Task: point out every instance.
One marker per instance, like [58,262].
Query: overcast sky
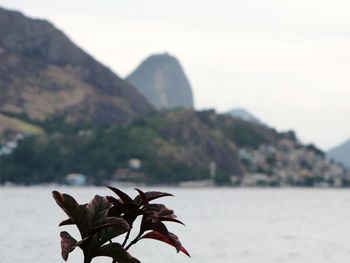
[286,61]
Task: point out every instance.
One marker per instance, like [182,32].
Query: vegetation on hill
[172,146]
[15,124]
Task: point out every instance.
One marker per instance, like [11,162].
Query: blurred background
[231,102]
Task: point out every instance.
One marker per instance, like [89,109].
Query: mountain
[162,81]
[243,115]
[341,153]
[43,74]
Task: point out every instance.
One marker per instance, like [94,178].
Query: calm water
[223,225]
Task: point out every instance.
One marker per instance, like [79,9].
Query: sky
[285,61]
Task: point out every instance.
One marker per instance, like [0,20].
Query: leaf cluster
[106,218]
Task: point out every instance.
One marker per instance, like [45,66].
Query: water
[223,225]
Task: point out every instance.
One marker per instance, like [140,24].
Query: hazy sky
[286,61]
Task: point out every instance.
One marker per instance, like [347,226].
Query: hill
[43,74]
[162,81]
[172,147]
[341,153]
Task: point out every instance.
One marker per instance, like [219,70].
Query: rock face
[44,74]
[341,154]
[162,81]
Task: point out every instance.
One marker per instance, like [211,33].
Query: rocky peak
[162,81]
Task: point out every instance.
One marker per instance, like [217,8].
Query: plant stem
[87,259]
[134,241]
[126,238]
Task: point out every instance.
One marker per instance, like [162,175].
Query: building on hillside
[75,179]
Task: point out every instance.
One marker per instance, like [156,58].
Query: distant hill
[341,153]
[173,146]
[244,115]
[44,74]
[161,79]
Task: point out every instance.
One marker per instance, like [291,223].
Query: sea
[224,225]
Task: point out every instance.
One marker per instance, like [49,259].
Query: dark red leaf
[108,234]
[143,196]
[158,210]
[75,212]
[150,196]
[112,221]
[96,210]
[170,239]
[170,219]
[129,211]
[114,201]
[123,196]
[175,240]
[107,229]
[68,244]
[148,224]
[67,222]
[117,210]
[132,211]
[117,253]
